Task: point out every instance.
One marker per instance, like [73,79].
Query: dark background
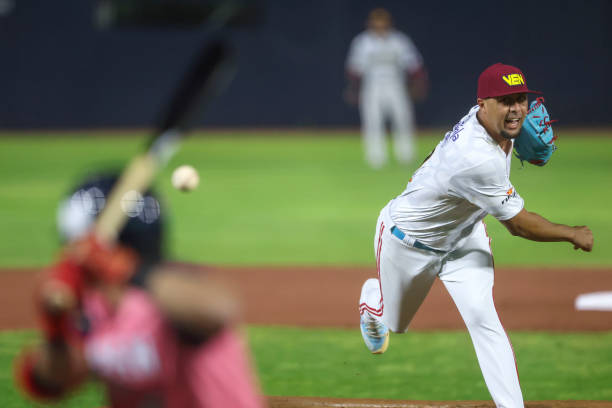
[58,70]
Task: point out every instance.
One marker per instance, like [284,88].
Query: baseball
[185,178]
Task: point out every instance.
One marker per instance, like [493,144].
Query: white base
[600,301]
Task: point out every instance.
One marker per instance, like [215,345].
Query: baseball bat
[207,77]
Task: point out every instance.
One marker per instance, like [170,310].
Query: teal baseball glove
[536,142]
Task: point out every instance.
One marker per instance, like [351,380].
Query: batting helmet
[143,230]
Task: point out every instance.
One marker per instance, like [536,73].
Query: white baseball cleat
[374,332]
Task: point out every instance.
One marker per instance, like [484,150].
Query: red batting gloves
[103,263]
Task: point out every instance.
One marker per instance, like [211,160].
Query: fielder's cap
[500,80]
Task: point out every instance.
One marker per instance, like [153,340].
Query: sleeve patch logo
[509,194]
[514,79]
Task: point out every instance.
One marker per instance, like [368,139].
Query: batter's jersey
[466,178]
[383,58]
[143,364]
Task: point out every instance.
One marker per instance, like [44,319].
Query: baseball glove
[535,143]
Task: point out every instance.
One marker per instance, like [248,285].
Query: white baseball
[185,178]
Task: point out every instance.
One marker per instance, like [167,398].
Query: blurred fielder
[380,65]
[154,335]
[435,229]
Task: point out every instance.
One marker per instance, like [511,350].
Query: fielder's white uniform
[441,210]
[382,63]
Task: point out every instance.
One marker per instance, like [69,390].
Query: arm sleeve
[355,61]
[487,186]
[410,57]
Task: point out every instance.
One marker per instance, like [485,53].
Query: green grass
[417,366]
[427,365]
[288,200]
[11,344]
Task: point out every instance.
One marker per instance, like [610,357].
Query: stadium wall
[59,71]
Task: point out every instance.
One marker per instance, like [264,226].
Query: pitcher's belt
[413,242]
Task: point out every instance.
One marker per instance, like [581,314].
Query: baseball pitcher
[434,228]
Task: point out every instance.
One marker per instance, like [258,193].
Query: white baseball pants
[405,276]
[380,101]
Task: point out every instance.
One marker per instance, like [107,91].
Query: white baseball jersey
[383,58]
[382,62]
[466,178]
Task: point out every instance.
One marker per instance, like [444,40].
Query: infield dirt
[526,298]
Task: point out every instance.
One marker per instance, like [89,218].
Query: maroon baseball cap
[500,79]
